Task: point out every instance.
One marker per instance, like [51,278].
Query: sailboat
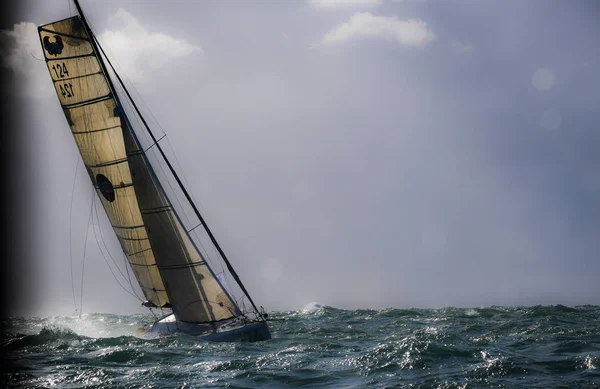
[171,271]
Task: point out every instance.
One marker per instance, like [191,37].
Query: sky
[358,153]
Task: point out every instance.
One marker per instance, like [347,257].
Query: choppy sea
[318,347]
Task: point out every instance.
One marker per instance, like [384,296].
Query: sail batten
[166,263]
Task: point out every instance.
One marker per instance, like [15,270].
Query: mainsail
[167,265]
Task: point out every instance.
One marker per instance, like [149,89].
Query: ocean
[318,347]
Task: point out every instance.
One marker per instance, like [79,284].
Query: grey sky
[361,154]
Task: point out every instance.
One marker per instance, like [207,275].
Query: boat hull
[248,332]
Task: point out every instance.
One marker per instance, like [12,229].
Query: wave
[321,345]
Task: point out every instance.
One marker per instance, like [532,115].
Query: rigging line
[181,170]
[193,228]
[41,60]
[104,243]
[106,260]
[204,250]
[109,254]
[71,234]
[220,260]
[128,107]
[127,271]
[145,105]
[153,144]
[84,250]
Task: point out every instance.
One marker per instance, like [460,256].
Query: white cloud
[461,48]
[411,32]
[136,49]
[23,55]
[131,46]
[336,4]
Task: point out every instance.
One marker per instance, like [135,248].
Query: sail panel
[198,297]
[82,90]
[219,302]
[71,68]
[96,145]
[65,39]
[90,111]
[122,212]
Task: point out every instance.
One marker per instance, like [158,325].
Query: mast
[99,49]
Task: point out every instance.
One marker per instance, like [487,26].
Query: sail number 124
[60,70]
[66,89]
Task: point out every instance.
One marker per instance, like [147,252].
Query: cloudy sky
[358,153]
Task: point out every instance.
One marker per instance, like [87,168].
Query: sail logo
[53,48]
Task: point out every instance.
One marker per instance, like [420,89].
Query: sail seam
[184,265]
[143,264]
[122,186]
[150,211]
[89,132]
[126,238]
[139,252]
[109,163]
[128,227]
[92,54]
[75,77]
[63,34]
[87,102]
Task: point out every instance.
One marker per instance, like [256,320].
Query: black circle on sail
[106,187]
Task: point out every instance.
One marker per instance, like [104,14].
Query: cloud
[132,47]
[411,32]
[136,49]
[337,4]
[461,48]
[23,55]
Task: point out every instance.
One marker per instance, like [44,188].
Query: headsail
[166,264]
